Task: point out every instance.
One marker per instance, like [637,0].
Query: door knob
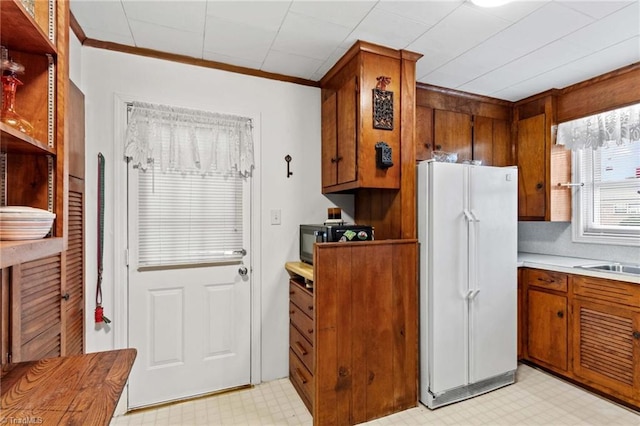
[243,271]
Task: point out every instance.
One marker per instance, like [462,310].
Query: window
[188,218]
[607,162]
[193,166]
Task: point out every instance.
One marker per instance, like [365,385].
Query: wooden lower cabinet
[589,333]
[359,359]
[606,335]
[547,328]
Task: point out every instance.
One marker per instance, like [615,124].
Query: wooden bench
[80,389]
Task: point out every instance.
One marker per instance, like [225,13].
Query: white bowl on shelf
[24,223]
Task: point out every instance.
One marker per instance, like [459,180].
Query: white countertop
[568,265]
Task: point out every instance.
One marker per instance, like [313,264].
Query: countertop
[79,389]
[568,265]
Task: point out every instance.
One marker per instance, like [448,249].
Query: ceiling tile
[426,12]
[345,13]
[544,25]
[387,29]
[618,26]
[430,62]
[542,60]
[165,39]
[309,37]
[460,31]
[289,64]
[596,9]
[237,40]
[614,57]
[182,15]
[514,10]
[267,15]
[105,17]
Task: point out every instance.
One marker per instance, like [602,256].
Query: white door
[190,324]
[493,200]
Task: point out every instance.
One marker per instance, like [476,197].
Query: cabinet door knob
[560,314]
[636,334]
[539,185]
[334,159]
[428,145]
[438,147]
[65,296]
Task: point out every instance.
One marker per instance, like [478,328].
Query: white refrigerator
[467,228]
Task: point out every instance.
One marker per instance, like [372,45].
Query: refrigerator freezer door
[446,272]
[493,203]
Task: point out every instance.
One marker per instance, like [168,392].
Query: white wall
[289,117]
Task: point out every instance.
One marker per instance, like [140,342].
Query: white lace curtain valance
[189,141]
[617,127]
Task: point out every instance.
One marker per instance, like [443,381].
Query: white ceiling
[508,52]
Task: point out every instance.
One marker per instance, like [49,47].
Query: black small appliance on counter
[310,234]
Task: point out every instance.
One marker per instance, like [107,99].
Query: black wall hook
[287,158]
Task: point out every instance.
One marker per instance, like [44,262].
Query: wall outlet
[275,216]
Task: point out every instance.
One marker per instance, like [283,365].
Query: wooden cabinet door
[36,324]
[424,132]
[547,328]
[347,107]
[73,286]
[329,140]
[492,141]
[531,159]
[606,346]
[452,133]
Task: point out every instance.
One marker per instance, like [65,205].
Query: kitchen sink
[620,268]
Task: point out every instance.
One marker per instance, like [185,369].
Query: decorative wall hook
[287,158]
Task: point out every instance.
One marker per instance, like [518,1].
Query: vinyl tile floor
[536,398]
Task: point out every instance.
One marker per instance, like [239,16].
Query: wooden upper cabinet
[531,165]
[349,137]
[543,166]
[452,133]
[475,127]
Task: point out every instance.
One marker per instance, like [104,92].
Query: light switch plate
[275,216]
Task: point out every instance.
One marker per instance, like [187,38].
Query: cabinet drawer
[546,279]
[302,347]
[301,378]
[301,297]
[607,290]
[301,321]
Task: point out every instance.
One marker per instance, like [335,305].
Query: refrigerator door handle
[470,216]
[473,294]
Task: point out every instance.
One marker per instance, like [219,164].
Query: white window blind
[188,218]
[609,202]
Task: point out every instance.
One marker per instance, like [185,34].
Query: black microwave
[310,234]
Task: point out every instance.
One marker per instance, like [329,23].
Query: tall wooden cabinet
[34,309]
[353,342]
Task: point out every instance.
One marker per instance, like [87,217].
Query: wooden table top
[73,390]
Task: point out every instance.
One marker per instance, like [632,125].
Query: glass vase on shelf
[10,83]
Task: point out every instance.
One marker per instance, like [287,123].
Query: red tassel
[99,314]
